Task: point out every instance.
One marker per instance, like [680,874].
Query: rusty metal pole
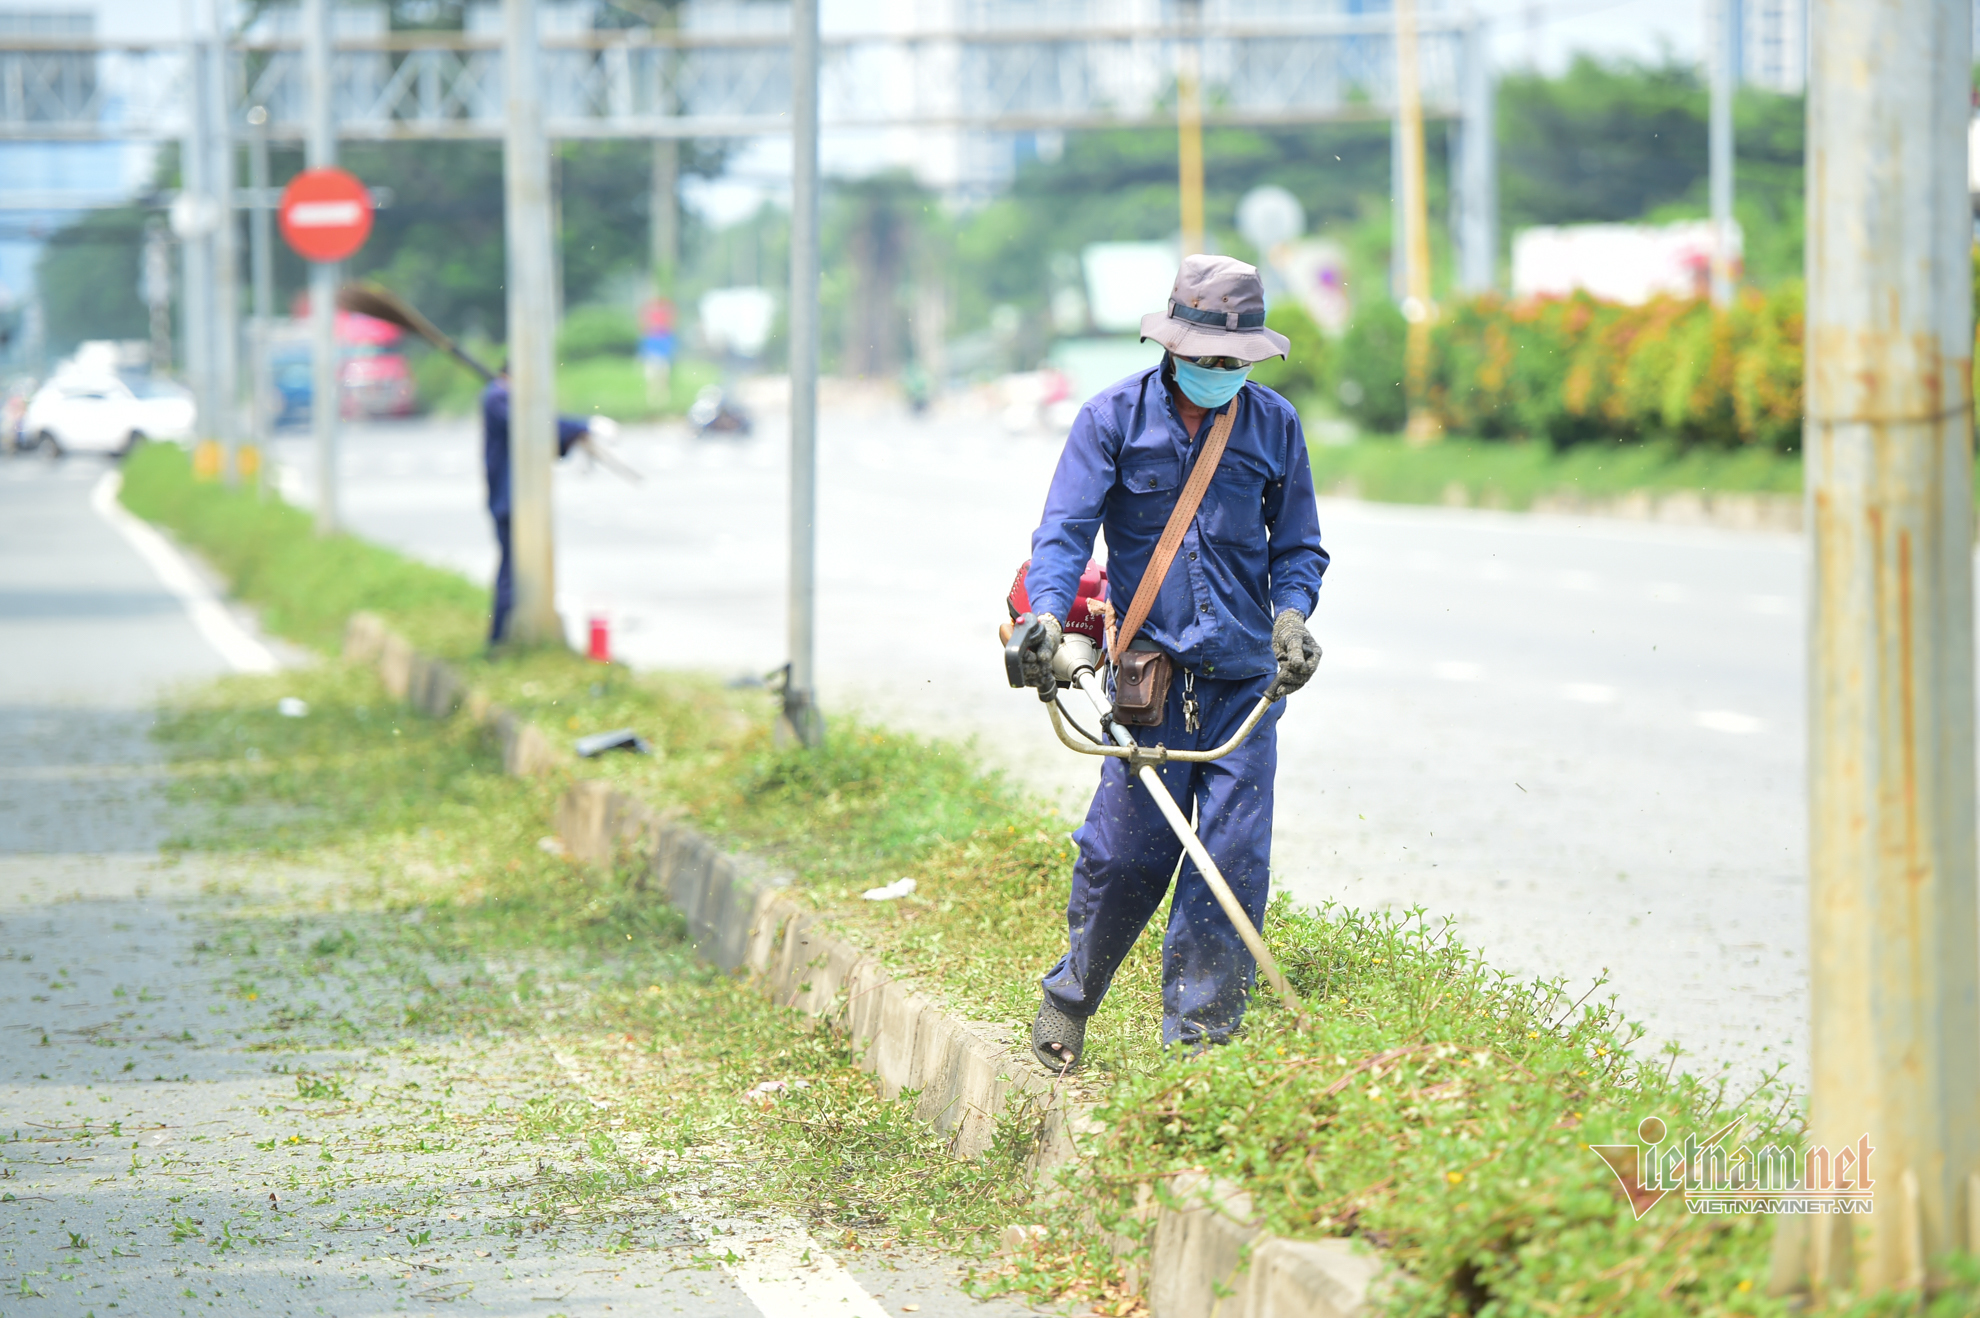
[1189,128]
[1895,1004]
[1417,307]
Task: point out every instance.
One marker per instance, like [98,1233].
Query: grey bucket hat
[1217,309]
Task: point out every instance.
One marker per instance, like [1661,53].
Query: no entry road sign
[325,214]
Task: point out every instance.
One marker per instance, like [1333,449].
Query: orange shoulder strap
[1172,534]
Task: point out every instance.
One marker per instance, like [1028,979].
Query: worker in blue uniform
[571,431]
[1231,615]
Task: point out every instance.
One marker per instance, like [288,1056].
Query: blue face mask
[1207,387]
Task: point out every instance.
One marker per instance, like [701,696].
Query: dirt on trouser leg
[215,1094]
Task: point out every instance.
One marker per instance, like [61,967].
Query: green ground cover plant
[1435,1109]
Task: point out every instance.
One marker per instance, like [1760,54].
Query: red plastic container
[600,650]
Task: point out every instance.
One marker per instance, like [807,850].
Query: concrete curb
[1207,1256]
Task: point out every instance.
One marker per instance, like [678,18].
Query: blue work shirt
[1252,550]
[495,442]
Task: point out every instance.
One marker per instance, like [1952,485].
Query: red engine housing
[1088,617]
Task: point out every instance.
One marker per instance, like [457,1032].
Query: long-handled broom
[383,304]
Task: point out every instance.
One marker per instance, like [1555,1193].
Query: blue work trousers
[505,583]
[1127,852]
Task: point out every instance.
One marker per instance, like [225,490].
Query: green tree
[1370,366]
[1619,142]
[1120,185]
[88,278]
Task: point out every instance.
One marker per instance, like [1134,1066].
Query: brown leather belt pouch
[1141,688]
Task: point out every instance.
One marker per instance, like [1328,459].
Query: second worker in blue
[1231,615]
[571,431]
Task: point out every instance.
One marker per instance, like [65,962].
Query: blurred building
[45,185]
[1774,44]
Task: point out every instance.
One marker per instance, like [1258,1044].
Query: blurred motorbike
[713,413]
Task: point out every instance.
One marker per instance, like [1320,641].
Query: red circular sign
[326,214]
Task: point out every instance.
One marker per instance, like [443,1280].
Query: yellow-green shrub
[1573,369]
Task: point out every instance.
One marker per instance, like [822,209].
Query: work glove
[1039,648]
[1296,650]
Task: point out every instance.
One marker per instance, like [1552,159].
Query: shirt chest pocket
[1147,492]
[1233,511]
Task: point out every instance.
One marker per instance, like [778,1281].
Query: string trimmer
[383,304]
[1078,664]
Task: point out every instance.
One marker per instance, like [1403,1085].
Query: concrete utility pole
[226,256]
[156,288]
[1189,128]
[191,222]
[320,150]
[532,331]
[666,224]
[1725,79]
[801,716]
[1477,167]
[665,200]
[1416,305]
[1895,1002]
[261,261]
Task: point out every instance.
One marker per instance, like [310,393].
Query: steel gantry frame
[651,83]
[992,77]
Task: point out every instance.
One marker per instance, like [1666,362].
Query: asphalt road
[1581,740]
[89,636]
[152,1147]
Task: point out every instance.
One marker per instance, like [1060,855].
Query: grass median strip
[1438,1110]
[1514,474]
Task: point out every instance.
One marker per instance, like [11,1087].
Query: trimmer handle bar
[1021,633]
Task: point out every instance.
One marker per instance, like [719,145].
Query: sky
[1549,34]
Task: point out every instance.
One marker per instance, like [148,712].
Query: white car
[104,414]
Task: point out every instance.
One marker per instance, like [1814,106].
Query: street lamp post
[801,718]
[320,151]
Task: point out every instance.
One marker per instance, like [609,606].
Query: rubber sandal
[1054,1026]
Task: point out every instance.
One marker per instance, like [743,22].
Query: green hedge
[1576,369]
[1567,370]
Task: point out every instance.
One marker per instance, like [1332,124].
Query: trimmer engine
[1089,613]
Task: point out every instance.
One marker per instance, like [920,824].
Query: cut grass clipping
[467,946]
[1437,1110]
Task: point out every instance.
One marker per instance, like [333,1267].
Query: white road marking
[778,1265]
[775,1263]
[1459,671]
[1726,720]
[1588,693]
[242,651]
